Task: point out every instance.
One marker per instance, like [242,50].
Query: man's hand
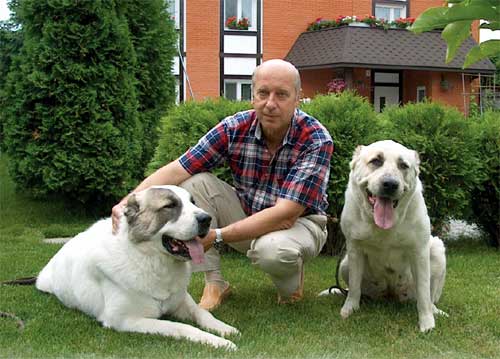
[208,240]
[116,214]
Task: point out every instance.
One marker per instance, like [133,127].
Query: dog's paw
[439,312]
[219,342]
[228,330]
[229,345]
[426,323]
[348,309]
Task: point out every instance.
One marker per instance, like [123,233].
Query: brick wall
[280,30]
[314,81]
[202,47]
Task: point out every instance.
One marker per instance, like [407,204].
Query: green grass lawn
[311,328]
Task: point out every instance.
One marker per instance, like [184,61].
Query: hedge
[486,195]
[450,168]
[452,149]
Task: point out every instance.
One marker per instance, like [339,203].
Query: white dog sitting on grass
[390,250]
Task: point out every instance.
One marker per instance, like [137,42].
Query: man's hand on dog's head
[116,214]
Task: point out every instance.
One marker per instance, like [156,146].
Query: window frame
[174,11]
[239,84]
[239,15]
[404,5]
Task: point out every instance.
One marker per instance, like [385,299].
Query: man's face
[275,98]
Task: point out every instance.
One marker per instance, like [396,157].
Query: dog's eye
[403,165]
[169,204]
[377,162]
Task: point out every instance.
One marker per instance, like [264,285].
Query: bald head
[278,66]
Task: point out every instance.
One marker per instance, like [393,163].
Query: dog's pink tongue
[196,251]
[383,212]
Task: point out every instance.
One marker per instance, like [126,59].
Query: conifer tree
[73,122]
[154,39]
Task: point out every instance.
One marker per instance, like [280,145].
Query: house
[221,42]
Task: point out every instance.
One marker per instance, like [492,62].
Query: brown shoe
[214,295]
[297,295]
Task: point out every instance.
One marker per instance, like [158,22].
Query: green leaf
[492,25]
[486,49]
[430,19]
[454,34]
[439,17]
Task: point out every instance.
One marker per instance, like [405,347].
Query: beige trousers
[280,254]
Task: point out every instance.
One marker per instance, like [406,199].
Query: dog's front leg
[356,267]
[189,310]
[172,329]
[420,267]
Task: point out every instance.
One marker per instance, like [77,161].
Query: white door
[385,96]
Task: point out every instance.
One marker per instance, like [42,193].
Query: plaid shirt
[298,171]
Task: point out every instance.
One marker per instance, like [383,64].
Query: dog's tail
[20,281]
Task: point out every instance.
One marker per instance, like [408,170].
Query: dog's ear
[355,156]
[417,163]
[131,209]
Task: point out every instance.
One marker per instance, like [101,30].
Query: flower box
[233,23]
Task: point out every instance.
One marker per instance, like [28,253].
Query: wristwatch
[218,242]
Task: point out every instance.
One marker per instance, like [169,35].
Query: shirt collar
[290,134]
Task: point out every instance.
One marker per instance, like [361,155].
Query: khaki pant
[280,254]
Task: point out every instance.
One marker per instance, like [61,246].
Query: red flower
[336,85]
[231,22]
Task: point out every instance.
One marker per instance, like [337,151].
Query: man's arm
[281,216]
[172,173]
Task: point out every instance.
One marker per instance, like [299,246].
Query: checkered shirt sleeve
[208,153]
[307,181]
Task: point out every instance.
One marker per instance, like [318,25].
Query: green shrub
[81,105]
[448,152]
[11,41]
[154,40]
[351,121]
[486,196]
[71,121]
[186,124]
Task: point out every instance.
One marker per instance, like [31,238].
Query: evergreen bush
[10,44]
[72,126]
[486,195]
[351,121]
[82,105]
[154,40]
[449,168]
[186,124]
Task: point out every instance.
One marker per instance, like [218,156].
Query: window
[241,9]
[174,11]
[240,90]
[390,10]
[421,93]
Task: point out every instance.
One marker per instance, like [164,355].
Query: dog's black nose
[203,220]
[390,185]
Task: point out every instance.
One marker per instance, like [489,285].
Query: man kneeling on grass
[279,157]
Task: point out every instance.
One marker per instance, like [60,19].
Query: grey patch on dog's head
[148,211]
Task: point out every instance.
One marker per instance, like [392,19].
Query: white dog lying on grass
[390,250]
[130,279]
